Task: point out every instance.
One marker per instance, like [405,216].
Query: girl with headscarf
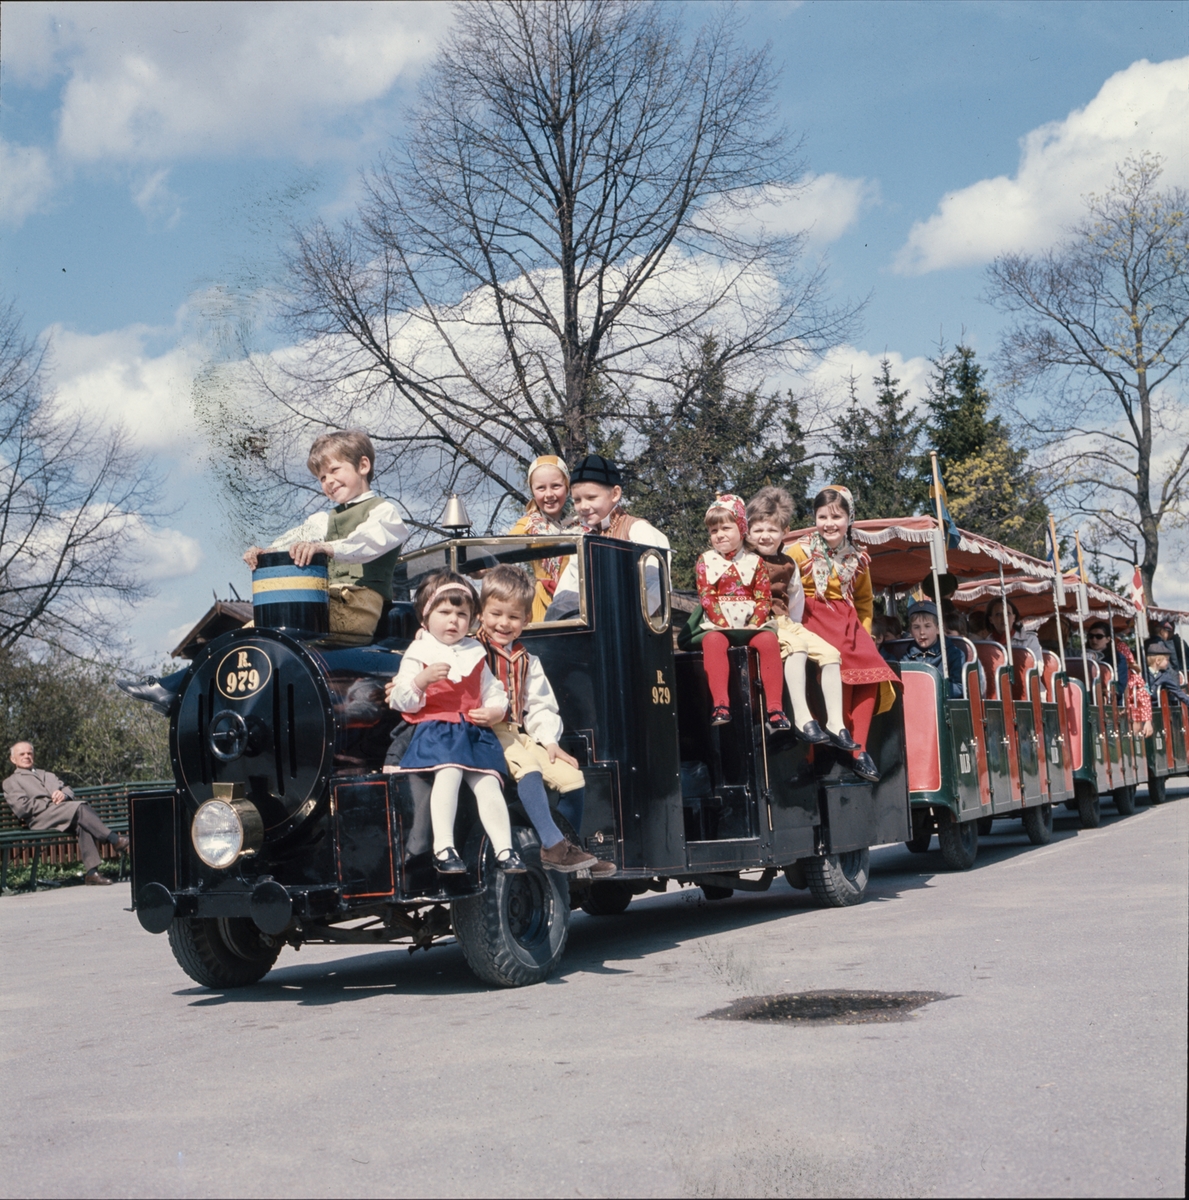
[839,606]
[549,488]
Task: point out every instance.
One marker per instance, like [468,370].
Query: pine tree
[714,439]
[992,488]
[876,451]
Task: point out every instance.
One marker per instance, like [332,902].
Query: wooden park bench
[20,845]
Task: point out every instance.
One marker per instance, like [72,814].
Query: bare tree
[1104,317]
[570,217]
[72,499]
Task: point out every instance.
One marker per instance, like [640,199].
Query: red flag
[1137,591]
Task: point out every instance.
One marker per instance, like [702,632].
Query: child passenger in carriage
[549,488]
[926,647]
[736,594]
[768,517]
[531,728]
[839,607]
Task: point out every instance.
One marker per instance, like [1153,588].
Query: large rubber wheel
[221,952]
[984,825]
[607,898]
[1038,824]
[838,880]
[1124,799]
[920,845]
[959,843]
[1157,792]
[513,933]
[1089,807]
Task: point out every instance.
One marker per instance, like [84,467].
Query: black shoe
[447,862]
[778,722]
[153,692]
[843,740]
[813,733]
[720,715]
[511,863]
[865,768]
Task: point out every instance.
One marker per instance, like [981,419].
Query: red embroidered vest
[446,701]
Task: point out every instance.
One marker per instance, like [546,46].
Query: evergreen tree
[992,488]
[876,451]
[714,439]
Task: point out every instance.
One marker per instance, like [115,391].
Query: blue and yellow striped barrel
[286,596]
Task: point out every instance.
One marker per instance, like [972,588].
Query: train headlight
[226,830]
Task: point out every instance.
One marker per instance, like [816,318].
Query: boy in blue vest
[361,536]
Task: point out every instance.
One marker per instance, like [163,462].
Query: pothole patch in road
[827,1008]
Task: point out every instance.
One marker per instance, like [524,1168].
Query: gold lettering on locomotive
[243,672]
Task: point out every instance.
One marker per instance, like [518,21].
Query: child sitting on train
[446,689]
[361,535]
[531,727]
[549,490]
[736,609]
[1161,676]
[926,647]
[596,488]
[768,516]
[839,606]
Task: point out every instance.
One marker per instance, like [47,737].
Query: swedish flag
[937,494]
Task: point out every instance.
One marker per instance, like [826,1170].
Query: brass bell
[455,518]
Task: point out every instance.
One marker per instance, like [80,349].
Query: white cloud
[26,181]
[164,81]
[1145,107]
[822,206]
[160,553]
[154,198]
[830,375]
[112,376]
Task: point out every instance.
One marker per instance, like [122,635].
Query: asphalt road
[1057,1067]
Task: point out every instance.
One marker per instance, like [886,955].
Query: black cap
[927,607]
[594,468]
[1158,648]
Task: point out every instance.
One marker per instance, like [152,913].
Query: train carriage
[282,830]
[1168,747]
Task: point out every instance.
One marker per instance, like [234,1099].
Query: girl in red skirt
[839,607]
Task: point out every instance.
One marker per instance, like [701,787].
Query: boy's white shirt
[795,596]
[542,717]
[641,532]
[383,529]
[462,657]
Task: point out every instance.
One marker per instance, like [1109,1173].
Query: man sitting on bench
[42,801]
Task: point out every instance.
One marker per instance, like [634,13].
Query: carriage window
[654,590]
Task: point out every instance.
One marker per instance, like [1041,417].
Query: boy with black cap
[1161,675]
[596,488]
[926,634]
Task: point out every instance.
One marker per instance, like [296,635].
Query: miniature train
[281,830]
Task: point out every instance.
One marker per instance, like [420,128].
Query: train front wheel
[1038,824]
[959,843]
[838,880]
[221,952]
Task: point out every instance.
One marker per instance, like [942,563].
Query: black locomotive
[281,829]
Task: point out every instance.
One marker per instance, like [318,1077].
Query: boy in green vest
[361,536]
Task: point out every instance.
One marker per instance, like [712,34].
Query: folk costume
[736,609]
[365,536]
[548,571]
[532,722]
[447,744]
[839,606]
[1136,696]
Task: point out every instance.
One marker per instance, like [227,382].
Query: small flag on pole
[1083,595]
[1141,604]
[953,536]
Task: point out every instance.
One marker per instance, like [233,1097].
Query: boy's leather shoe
[720,716]
[566,857]
[447,862]
[813,733]
[865,767]
[511,863]
[602,870]
[843,740]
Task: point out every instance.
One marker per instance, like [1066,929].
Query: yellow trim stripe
[290,583]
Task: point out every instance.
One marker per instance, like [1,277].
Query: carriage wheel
[984,825]
[921,843]
[514,931]
[959,843]
[221,952]
[1038,824]
[1089,807]
[1157,793]
[838,880]
[1124,799]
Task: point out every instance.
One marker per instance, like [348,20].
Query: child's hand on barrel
[252,556]
[303,552]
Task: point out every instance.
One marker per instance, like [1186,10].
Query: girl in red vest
[446,689]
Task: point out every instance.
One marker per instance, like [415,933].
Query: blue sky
[151,155]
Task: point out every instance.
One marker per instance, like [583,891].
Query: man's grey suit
[30,795]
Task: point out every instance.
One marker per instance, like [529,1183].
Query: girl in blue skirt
[446,689]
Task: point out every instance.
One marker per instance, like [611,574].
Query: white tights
[831,678]
[493,811]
